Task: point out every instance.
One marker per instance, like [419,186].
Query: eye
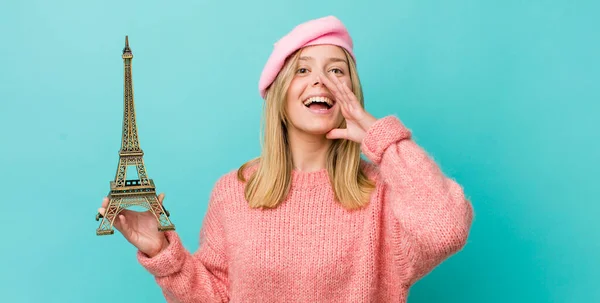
[337,70]
[302,70]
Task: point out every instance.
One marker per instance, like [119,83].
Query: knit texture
[310,249]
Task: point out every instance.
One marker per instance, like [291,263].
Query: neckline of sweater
[301,179]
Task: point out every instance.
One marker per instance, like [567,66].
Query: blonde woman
[310,220]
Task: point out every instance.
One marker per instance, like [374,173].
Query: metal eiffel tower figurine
[139,191]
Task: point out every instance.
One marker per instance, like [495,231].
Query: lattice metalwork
[126,192]
[146,200]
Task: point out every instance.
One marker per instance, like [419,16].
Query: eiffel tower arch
[127,192]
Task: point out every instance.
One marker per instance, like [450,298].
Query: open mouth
[319,104]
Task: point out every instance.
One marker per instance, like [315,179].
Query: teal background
[504,94]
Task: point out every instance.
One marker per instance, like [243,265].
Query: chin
[317,132]
[318,128]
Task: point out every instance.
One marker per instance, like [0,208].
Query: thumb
[122,225]
[337,133]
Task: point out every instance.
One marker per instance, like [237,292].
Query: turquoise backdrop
[504,94]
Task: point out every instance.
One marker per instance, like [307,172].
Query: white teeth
[311,100]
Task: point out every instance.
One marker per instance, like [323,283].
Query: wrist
[164,243]
[367,122]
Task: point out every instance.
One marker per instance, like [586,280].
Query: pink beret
[326,30]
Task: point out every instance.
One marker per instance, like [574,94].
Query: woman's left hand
[358,121]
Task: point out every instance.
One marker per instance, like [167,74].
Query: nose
[317,80]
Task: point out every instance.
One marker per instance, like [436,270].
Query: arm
[432,215]
[189,278]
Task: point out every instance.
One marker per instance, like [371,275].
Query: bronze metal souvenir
[140,191]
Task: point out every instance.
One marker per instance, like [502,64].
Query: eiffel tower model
[125,193]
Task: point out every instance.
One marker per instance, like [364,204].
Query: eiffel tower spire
[127,49]
[130,141]
[126,192]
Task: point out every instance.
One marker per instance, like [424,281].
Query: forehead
[322,53]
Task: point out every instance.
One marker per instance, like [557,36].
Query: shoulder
[232,182]
[226,181]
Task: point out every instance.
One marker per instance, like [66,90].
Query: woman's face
[310,105]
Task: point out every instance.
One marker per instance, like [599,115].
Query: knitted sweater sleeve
[198,277]
[431,215]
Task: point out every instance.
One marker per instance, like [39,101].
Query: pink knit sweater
[310,249]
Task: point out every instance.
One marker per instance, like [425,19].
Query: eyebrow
[331,59]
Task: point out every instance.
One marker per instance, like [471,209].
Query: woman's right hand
[139,228]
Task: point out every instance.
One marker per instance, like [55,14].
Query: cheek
[292,100]
[295,89]
[292,93]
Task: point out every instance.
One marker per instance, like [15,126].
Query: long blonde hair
[269,184]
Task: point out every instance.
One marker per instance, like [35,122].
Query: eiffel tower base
[122,199]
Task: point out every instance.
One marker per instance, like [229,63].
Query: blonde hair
[269,184]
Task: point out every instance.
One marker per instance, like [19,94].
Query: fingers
[116,223]
[104,205]
[161,197]
[337,133]
[342,93]
[122,225]
[339,96]
[340,87]
[350,99]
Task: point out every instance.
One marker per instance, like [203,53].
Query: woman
[309,220]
